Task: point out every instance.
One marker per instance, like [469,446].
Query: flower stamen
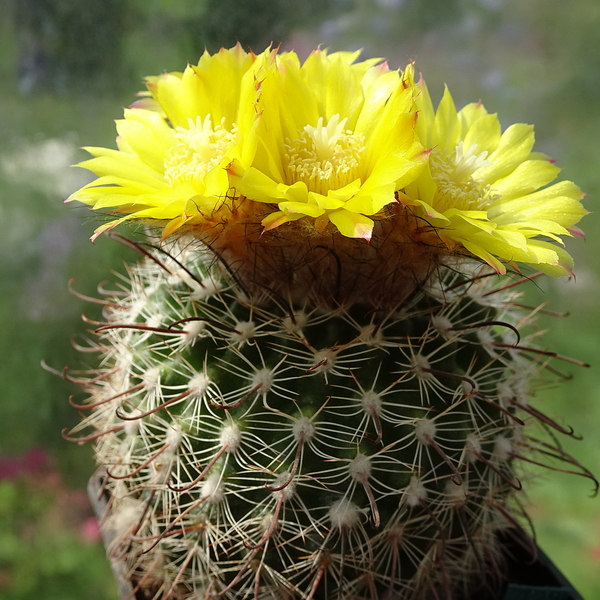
[456,187]
[199,149]
[324,157]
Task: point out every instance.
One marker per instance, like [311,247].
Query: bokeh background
[67,67]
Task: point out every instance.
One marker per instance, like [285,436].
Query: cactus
[307,395]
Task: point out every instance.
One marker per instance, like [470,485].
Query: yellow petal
[475,219]
[346,192]
[514,148]
[125,166]
[148,136]
[343,92]
[552,259]
[376,96]
[469,114]
[484,134]
[371,200]
[298,192]
[325,202]
[526,178]
[558,202]
[277,219]
[351,224]
[489,258]
[178,95]
[254,184]
[301,208]
[446,125]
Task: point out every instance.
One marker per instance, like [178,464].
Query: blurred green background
[67,67]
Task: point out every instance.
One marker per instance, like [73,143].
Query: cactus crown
[264,159]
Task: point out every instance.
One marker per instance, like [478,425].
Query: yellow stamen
[199,150]
[325,157]
[456,187]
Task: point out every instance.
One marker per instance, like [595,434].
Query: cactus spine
[253,447]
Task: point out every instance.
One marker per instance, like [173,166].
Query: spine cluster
[255,447]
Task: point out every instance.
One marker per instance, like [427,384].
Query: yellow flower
[336,140]
[174,146]
[483,190]
[239,145]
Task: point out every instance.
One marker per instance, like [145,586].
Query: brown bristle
[294,260]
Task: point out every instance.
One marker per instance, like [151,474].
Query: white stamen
[468,160]
[324,157]
[455,186]
[199,149]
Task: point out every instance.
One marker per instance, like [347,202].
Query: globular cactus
[318,384]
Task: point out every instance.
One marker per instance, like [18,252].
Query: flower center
[324,157]
[198,150]
[453,175]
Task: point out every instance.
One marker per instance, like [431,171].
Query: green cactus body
[253,447]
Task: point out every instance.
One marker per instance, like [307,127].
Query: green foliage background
[67,67]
